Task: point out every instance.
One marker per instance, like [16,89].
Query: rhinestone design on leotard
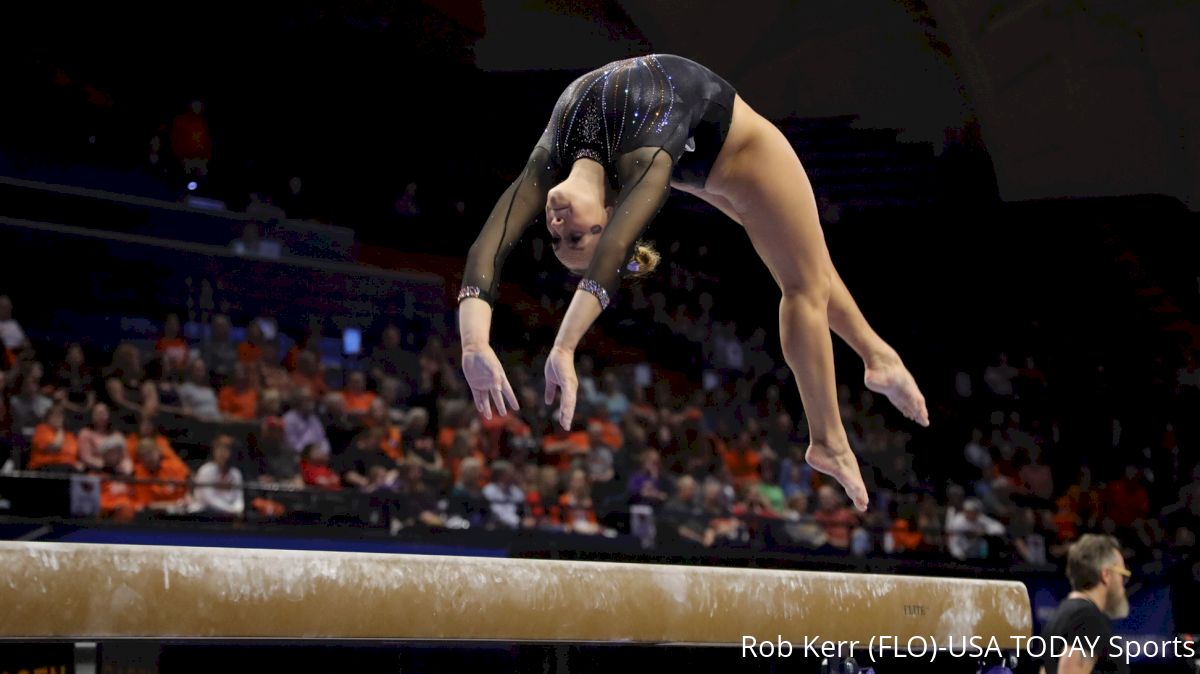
[613,109]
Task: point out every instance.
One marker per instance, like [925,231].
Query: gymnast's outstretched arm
[645,176]
[513,213]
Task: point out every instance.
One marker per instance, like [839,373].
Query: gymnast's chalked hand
[560,373]
[487,380]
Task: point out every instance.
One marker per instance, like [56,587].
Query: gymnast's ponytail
[645,260]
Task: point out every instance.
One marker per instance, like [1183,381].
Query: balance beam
[61,591]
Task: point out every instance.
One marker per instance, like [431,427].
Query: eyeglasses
[1123,572]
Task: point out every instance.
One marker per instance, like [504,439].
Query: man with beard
[1096,569]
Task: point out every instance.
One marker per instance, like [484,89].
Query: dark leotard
[649,121]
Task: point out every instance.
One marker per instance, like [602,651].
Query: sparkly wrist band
[468,291]
[590,154]
[588,285]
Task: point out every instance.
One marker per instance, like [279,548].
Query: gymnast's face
[575,220]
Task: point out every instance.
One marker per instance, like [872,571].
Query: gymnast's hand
[560,373]
[486,378]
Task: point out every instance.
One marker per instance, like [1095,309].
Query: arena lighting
[191,186]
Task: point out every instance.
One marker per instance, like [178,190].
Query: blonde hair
[647,259]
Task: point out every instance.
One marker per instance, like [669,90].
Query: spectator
[796,476]
[1028,541]
[840,521]
[419,503]
[197,396]
[250,349]
[506,498]
[421,447]
[616,403]
[315,470]
[362,458]
[390,435]
[74,381]
[599,457]
[218,350]
[742,458]
[310,374]
[28,407]
[768,486]
[968,531]
[277,461]
[1036,477]
[96,438]
[649,486]
[575,506]
[148,430]
[723,527]
[129,393]
[390,360]
[1125,500]
[54,448]
[302,426]
[977,454]
[467,501]
[239,400]
[190,140]
[12,337]
[356,398]
[543,498]
[219,483]
[682,516]
[801,527]
[118,500]
[162,478]
[170,346]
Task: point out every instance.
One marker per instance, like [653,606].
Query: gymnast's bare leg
[760,179]
[884,371]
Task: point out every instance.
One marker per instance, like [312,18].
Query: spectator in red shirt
[315,470]
[190,139]
[1125,500]
[356,397]
[839,521]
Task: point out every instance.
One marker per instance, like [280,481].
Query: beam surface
[92,591]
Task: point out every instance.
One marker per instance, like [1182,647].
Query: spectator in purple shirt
[649,486]
[302,426]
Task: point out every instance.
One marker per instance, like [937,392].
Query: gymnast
[619,138]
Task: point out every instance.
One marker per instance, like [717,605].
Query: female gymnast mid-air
[623,135]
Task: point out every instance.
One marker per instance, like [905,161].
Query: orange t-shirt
[164,447]
[392,443]
[174,348]
[577,441]
[41,456]
[169,469]
[249,352]
[358,403]
[742,465]
[315,384]
[904,537]
[238,404]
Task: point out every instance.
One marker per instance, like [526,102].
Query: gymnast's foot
[841,465]
[886,374]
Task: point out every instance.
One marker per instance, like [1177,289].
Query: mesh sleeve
[645,175]
[516,209]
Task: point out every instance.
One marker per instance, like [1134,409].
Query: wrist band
[469,291]
[588,285]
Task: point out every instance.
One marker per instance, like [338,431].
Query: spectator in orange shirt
[543,498]
[53,447]
[171,345]
[1125,499]
[356,396]
[148,430]
[239,400]
[250,351]
[390,436]
[309,374]
[169,475]
[117,498]
[742,459]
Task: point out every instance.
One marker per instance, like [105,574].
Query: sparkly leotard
[649,121]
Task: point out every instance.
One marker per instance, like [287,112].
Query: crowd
[716,465]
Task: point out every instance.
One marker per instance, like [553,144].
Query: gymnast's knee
[807,290]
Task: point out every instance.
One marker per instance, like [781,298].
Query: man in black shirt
[1096,569]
